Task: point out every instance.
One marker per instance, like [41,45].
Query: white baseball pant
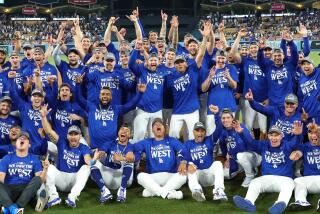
[177,123]
[159,184]
[271,183]
[207,177]
[112,177]
[247,161]
[141,122]
[65,182]
[252,115]
[305,185]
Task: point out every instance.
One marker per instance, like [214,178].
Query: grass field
[88,201]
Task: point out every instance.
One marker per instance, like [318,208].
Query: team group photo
[138,106]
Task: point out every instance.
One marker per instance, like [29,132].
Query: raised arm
[206,84]
[17,45]
[53,136]
[13,90]
[137,28]
[266,110]
[133,102]
[175,32]
[114,29]
[211,41]
[163,30]
[107,34]
[246,136]
[56,57]
[202,49]
[223,39]
[234,48]
[304,33]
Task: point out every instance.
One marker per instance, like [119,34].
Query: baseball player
[203,170]
[163,156]
[281,116]
[277,168]
[238,155]
[21,176]
[184,86]
[116,170]
[73,164]
[311,174]
[309,90]
[6,120]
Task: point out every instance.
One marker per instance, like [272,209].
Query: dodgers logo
[160,151]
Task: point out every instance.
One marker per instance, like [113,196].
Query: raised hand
[79,78]
[174,21]
[212,72]
[123,32]
[113,20]
[249,95]
[114,28]
[262,43]
[221,27]
[237,127]
[136,12]
[297,128]
[243,32]
[303,30]
[214,109]
[132,18]
[207,27]
[142,87]
[304,115]
[17,35]
[164,16]
[226,74]
[44,111]
[312,126]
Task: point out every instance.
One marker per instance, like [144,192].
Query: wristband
[183,161]
[92,162]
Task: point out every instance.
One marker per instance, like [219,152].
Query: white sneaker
[146,193]
[198,195]
[300,205]
[173,194]
[246,182]
[219,194]
[42,200]
[121,195]
[53,200]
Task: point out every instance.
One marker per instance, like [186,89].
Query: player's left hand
[130,157]
[236,126]
[214,109]
[295,155]
[142,87]
[304,115]
[117,157]
[182,169]
[297,128]
[192,168]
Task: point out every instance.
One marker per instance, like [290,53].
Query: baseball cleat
[300,205]
[121,195]
[219,194]
[5,210]
[17,211]
[42,201]
[53,202]
[244,204]
[69,202]
[105,195]
[173,194]
[246,182]
[198,195]
[277,208]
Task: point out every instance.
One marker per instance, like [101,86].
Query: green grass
[135,204]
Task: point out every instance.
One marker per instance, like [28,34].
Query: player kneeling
[163,154]
[277,168]
[202,169]
[73,164]
[309,183]
[115,171]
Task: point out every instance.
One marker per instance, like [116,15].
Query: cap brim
[37,93]
[179,60]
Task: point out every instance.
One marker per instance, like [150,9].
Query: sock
[12,208]
[256,133]
[97,177]
[126,173]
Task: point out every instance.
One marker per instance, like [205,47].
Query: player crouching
[202,169]
[115,171]
[277,168]
[309,183]
[73,164]
[163,155]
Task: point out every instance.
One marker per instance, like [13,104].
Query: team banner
[82,2]
[29,11]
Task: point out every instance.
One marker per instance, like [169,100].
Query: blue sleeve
[52,94]
[81,100]
[294,58]
[283,46]
[233,73]
[15,96]
[128,85]
[295,142]
[111,48]
[138,150]
[223,145]
[263,62]
[85,150]
[217,132]
[266,110]
[141,28]
[4,164]
[132,63]
[306,46]
[247,138]
[179,149]
[130,105]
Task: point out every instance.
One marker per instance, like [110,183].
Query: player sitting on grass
[203,170]
[73,163]
[309,183]
[163,155]
[21,176]
[277,168]
[115,171]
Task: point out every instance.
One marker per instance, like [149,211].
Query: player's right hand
[249,95]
